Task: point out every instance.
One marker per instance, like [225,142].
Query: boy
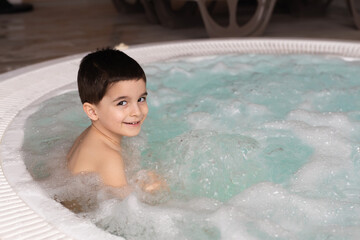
[112,89]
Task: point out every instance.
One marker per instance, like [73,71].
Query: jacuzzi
[24,211]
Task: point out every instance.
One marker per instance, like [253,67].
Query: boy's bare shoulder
[112,170]
[87,153]
[91,154]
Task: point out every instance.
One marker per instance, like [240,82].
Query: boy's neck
[113,141]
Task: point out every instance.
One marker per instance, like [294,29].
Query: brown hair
[98,70]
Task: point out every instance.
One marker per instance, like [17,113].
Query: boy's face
[123,109]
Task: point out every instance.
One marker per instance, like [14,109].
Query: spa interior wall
[57,28]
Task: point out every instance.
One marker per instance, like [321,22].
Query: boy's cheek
[145,111]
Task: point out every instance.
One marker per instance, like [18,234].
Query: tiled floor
[59,28]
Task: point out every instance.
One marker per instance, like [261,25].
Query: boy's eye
[122,103]
[142,99]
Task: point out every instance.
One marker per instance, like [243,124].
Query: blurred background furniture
[225,18]
[7,7]
[354,12]
[253,27]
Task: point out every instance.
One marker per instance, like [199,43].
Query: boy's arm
[112,172]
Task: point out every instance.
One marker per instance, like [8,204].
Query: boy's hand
[150,182]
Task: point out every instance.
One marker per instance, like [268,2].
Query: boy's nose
[135,110]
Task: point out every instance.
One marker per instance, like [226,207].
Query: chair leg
[254,26]
[185,16]
[354,12]
[149,8]
[123,6]
[269,11]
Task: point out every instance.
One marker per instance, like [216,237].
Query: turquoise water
[252,146]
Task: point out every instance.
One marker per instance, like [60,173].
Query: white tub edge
[17,219]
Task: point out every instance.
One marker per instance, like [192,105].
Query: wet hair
[100,69]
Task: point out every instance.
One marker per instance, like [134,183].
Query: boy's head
[100,69]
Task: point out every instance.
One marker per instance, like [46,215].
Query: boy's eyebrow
[124,97]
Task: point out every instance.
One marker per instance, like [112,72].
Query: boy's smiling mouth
[133,123]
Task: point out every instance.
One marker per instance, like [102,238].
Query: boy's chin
[131,134]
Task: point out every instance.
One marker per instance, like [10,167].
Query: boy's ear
[90,110]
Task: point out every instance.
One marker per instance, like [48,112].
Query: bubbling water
[252,147]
